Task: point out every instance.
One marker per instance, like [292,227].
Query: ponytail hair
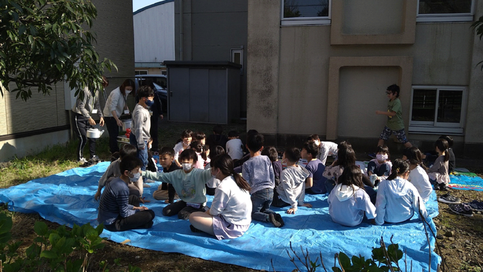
[443,146]
[399,167]
[225,164]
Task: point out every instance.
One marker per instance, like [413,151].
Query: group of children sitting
[245,187]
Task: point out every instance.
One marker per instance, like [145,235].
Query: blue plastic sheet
[68,198]
[462,182]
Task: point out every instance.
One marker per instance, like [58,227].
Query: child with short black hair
[316,168]
[326,148]
[189,183]
[258,172]
[397,198]
[184,143]
[381,165]
[291,190]
[438,173]
[452,158]
[166,191]
[197,146]
[234,146]
[348,201]
[115,212]
[141,119]
[200,137]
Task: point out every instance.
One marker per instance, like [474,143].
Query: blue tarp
[68,198]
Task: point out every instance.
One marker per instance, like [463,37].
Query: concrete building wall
[330,79]
[29,127]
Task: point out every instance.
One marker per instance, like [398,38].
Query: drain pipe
[181,31]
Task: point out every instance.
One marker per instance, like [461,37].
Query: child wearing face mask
[189,183]
[381,165]
[142,123]
[115,212]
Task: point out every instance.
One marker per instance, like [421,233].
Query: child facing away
[184,143]
[417,175]
[166,191]
[394,122]
[291,190]
[348,201]
[381,165]
[230,213]
[189,183]
[326,148]
[234,146]
[115,212]
[197,146]
[438,173]
[213,182]
[316,168]
[397,198]
[272,153]
[142,123]
[258,172]
[113,171]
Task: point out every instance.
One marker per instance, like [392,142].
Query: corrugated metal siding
[154,34]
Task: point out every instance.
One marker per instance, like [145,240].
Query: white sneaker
[82,160]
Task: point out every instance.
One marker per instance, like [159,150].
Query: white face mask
[127,92]
[187,166]
[381,157]
[135,177]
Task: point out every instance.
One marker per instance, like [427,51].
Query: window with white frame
[437,109]
[445,10]
[306,12]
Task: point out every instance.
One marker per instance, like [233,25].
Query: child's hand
[378,112]
[97,196]
[141,208]
[291,210]
[308,205]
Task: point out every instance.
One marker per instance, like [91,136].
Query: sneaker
[462,209]
[82,160]
[273,220]
[95,159]
[476,205]
[449,199]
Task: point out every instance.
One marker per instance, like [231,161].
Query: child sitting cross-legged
[189,183]
[115,212]
[348,201]
[417,175]
[397,198]
[381,165]
[291,190]
[230,213]
[258,172]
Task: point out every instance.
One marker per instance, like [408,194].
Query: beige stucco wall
[438,53]
[263,49]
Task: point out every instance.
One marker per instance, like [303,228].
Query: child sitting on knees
[258,172]
[398,199]
[438,173]
[291,190]
[113,171]
[166,191]
[114,210]
[326,148]
[381,165]
[189,184]
[230,213]
[348,201]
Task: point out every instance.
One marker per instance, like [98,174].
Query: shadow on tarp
[68,198]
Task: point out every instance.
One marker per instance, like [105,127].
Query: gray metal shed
[203,92]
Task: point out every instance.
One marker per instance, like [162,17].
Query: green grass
[58,158]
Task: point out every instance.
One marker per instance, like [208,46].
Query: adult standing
[85,105]
[114,108]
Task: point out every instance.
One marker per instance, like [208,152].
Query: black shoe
[278,217]
[449,199]
[272,217]
[442,187]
